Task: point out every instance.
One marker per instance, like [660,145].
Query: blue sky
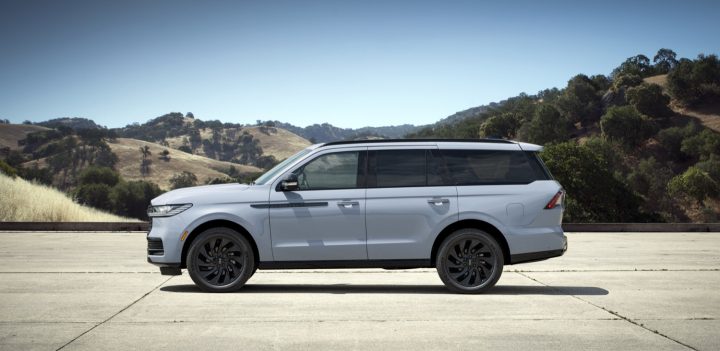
[351,64]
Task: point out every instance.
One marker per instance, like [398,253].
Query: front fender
[255,221]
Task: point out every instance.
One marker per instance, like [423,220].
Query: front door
[324,219]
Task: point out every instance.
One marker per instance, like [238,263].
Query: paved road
[94,291]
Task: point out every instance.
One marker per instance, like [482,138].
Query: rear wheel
[469,261]
[220,260]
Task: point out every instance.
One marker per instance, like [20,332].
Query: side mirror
[290,183]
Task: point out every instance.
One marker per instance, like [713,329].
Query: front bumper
[165,242]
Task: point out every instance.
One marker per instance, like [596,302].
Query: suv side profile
[464,207]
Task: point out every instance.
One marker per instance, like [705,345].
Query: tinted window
[436,172]
[330,171]
[469,167]
[399,168]
[541,172]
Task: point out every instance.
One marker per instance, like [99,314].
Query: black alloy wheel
[469,261]
[220,260]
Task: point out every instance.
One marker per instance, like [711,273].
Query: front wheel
[220,260]
[469,261]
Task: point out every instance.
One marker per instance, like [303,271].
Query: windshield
[280,166]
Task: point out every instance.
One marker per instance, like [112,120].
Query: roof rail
[374,141]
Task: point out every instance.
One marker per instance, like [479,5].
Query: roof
[376,141]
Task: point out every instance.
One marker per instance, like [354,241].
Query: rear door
[409,201]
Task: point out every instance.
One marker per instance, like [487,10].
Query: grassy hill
[274,141]
[10,134]
[28,202]
[130,158]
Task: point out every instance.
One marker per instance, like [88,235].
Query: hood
[217,193]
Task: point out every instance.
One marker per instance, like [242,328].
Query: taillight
[555,201]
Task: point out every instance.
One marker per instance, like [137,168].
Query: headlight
[166,210]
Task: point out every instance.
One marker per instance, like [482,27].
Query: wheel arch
[476,224]
[218,223]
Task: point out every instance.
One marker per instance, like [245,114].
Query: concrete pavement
[90,291]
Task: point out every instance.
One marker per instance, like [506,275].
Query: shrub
[649,100]
[694,183]
[96,195]
[672,138]
[547,126]
[183,180]
[132,198]
[594,194]
[702,145]
[626,125]
[7,170]
[98,175]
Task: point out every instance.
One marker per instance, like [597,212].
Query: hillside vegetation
[23,201]
[262,145]
[160,168]
[11,134]
[639,145]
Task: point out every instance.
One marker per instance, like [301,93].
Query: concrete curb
[568,227]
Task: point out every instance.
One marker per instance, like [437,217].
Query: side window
[330,171]
[436,172]
[398,168]
[478,167]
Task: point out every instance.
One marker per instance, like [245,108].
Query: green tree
[184,179]
[132,198]
[694,183]
[627,81]
[638,65]
[266,162]
[672,138]
[695,82]
[165,155]
[98,175]
[702,145]
[547,126]
[665,61]
[649,100]
[94,194]
[36,174]
[625,125]
[711,166]
[504,125]
[594,194]
[581,101]
[145,162]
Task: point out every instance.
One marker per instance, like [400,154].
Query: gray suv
[465,207]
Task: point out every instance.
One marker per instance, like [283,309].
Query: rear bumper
[539,255]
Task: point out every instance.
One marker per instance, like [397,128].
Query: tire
[469,261]
[213,263]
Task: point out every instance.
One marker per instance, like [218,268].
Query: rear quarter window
[492,167]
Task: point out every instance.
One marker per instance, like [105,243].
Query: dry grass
[280,143]
[707,115]
[23,201]
[129,160]
[660,79]
[10,134]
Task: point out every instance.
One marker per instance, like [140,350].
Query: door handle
[439,202]
[348,204]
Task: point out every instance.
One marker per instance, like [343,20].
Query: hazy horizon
[348,64]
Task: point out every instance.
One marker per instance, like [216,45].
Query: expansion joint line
[115,314]
[627,319]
